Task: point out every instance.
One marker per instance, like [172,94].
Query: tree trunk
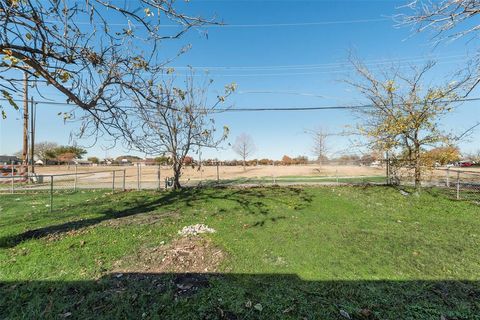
[177,170]
[244,164]
[418,168]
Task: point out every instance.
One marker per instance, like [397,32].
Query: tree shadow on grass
[238,296]
[251,200]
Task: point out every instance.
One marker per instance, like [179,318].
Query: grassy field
[277,253]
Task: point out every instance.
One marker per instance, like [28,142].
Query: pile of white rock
[195,229]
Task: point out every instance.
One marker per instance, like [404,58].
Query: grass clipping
[188,254]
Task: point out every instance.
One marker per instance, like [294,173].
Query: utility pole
[32,134]
[25,121]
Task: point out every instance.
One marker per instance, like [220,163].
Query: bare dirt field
[152,177]
[225,172]
[102,176]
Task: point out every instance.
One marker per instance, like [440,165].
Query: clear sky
[285,53]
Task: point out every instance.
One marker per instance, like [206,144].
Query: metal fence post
[75,179]
[336,175]
[13,177]
[51,194]
[138,176]
[448,177]
[458,185]
[387,165]
[218,173]
[124,176]
[113,181]
[158,177]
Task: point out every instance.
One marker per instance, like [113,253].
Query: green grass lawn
[288,253]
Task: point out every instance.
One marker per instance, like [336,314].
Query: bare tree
[244,147]
[174,121]
[404,113]
[474,156]
[73,47]
[45,150]
[443,16]
[450,19]
[319,149]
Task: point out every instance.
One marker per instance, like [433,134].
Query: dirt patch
[141,219]
[184,255]
[56,236]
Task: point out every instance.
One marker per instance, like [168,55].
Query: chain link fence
[455,183]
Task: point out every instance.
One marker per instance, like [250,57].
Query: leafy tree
[73,47]
[404,112]
[286,160]
[188,161]
[368,159]
[244,147]
[176,120]
[66,157]
[348,159]
[77,152]
[94,160]
[265,162]
[163,160]
[442,155]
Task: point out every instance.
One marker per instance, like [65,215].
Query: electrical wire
[257,109]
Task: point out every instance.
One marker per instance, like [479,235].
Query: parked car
[465,164]
[7,169]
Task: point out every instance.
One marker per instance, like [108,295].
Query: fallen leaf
[366,312]
[344,314]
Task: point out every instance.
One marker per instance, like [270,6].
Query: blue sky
[305,54]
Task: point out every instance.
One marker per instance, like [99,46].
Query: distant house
[139,162]
[81,162]
[150,162]
[6,160]
[376,164]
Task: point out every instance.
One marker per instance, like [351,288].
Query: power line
[298,24]
[257,109]
[306,73]
[284,70]
[305,94]
[252,25]
[342,64]
[364,106]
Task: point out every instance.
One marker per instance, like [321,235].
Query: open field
[153,177]
[277,253]
[100,176]
[227,172]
